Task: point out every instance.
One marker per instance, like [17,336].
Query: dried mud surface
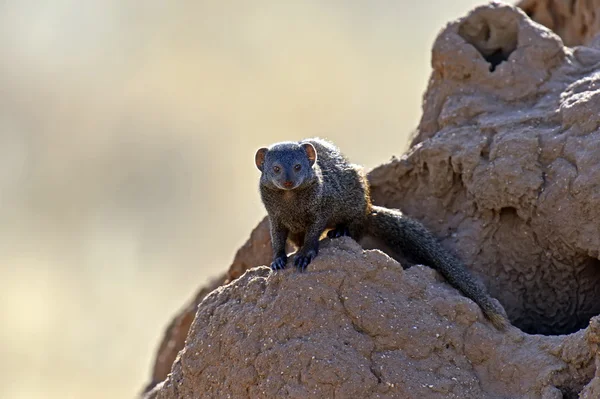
[359,326]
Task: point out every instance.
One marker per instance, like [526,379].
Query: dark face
[286,166]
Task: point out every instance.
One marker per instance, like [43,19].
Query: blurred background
[127,139]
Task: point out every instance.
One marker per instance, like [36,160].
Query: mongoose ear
[259,158]
[311,153]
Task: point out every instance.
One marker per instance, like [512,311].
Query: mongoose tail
[415,241]
[309,187]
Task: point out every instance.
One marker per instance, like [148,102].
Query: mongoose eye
[276,169]
[297,167]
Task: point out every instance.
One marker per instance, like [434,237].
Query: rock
[504,170]
[359,326]
[577,22]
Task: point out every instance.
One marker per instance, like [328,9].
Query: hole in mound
[529,11]
[577,314]
[565,296]
[496,58]
[485,152]
[589,306]
[569,393]
[508,212]
[495,41]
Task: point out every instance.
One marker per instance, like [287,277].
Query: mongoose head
[287,165]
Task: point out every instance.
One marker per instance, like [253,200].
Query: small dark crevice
[594,263]
[508,211]
[355,326]
[579,318]
[359,330]
[485,152]
[496,58]
[588,306]
[375,372]
[543,185]
[529,10]
[495,42]
[568,393]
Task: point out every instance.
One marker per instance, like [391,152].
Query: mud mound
[504,169]
[359,326]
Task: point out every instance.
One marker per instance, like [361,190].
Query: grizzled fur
[308,187]
[313,202]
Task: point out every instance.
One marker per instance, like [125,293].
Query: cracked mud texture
[359,326]
[575,21]
[504,169]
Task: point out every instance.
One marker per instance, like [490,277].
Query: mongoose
[308,187]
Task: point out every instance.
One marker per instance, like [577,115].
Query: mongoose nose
[288,184]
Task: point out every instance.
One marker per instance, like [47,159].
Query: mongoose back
[309,187]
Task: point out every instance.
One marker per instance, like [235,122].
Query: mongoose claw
[279,263]
[339,231]
[302,260]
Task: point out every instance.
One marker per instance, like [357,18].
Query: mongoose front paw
[339,231]
[303,259]
[279,263]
